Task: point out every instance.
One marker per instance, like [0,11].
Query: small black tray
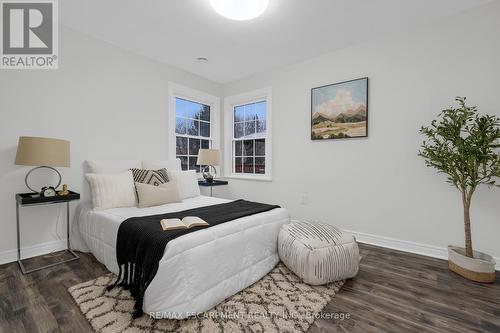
[35,198]
[214,183]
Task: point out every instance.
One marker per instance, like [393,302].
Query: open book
[186,223]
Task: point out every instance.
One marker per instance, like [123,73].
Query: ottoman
[318,253]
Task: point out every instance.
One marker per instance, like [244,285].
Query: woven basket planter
[481,268]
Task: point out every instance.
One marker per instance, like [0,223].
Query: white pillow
[187,182]
[112,166]
[112,190]
[174,165]
[150,195]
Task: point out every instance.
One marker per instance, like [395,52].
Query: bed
[198,270]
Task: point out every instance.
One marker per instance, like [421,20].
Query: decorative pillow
[112,166]
[187,182]
[112,190]
[150,177]
[150,195]
[173,164]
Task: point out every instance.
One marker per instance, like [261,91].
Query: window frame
[229,103]
[197,96]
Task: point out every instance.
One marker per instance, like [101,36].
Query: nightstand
[215,182]
[34,199]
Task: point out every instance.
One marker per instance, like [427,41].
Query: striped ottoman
[318,253]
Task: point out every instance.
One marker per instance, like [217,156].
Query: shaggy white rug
[279,302]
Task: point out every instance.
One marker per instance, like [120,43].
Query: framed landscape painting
[340,110]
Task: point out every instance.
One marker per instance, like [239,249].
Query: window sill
[262,178]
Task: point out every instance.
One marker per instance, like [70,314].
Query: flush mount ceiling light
[239,10]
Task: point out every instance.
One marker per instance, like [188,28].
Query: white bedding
[198,270]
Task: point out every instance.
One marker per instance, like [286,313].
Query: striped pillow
[150,177]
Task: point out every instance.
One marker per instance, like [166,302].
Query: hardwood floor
[402,292]
[394,292]
[39,302]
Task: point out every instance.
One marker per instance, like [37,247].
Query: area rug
[279,302]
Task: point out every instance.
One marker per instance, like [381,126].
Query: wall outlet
[304,199]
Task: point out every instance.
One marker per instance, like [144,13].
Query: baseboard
[32,251]
[407,246]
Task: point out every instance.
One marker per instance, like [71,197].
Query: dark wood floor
[402,292]
[394,292]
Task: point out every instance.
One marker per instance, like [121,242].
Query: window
[249,138]
[194,116]
[192,131]
[248,130]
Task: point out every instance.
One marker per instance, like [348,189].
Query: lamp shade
[36,151]
[208,157]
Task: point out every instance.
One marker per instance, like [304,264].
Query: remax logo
[29,34]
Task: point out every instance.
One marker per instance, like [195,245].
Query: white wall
[109,103]
[378,185]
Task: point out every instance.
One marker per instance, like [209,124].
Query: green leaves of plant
[464,145]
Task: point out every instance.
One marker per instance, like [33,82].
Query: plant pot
[481,268]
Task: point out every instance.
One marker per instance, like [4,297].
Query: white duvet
[198,270]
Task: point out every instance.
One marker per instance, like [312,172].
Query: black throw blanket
[141,242]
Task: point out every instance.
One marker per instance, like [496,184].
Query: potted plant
[465,146]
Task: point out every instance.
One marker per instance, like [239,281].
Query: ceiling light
[239,10]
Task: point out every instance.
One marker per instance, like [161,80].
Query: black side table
[33,199]
[215,182]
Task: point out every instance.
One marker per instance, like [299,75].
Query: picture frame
[340,110]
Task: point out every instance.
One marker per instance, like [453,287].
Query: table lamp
[42,153]
[209,158]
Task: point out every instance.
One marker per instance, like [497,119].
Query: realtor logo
[29,38]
